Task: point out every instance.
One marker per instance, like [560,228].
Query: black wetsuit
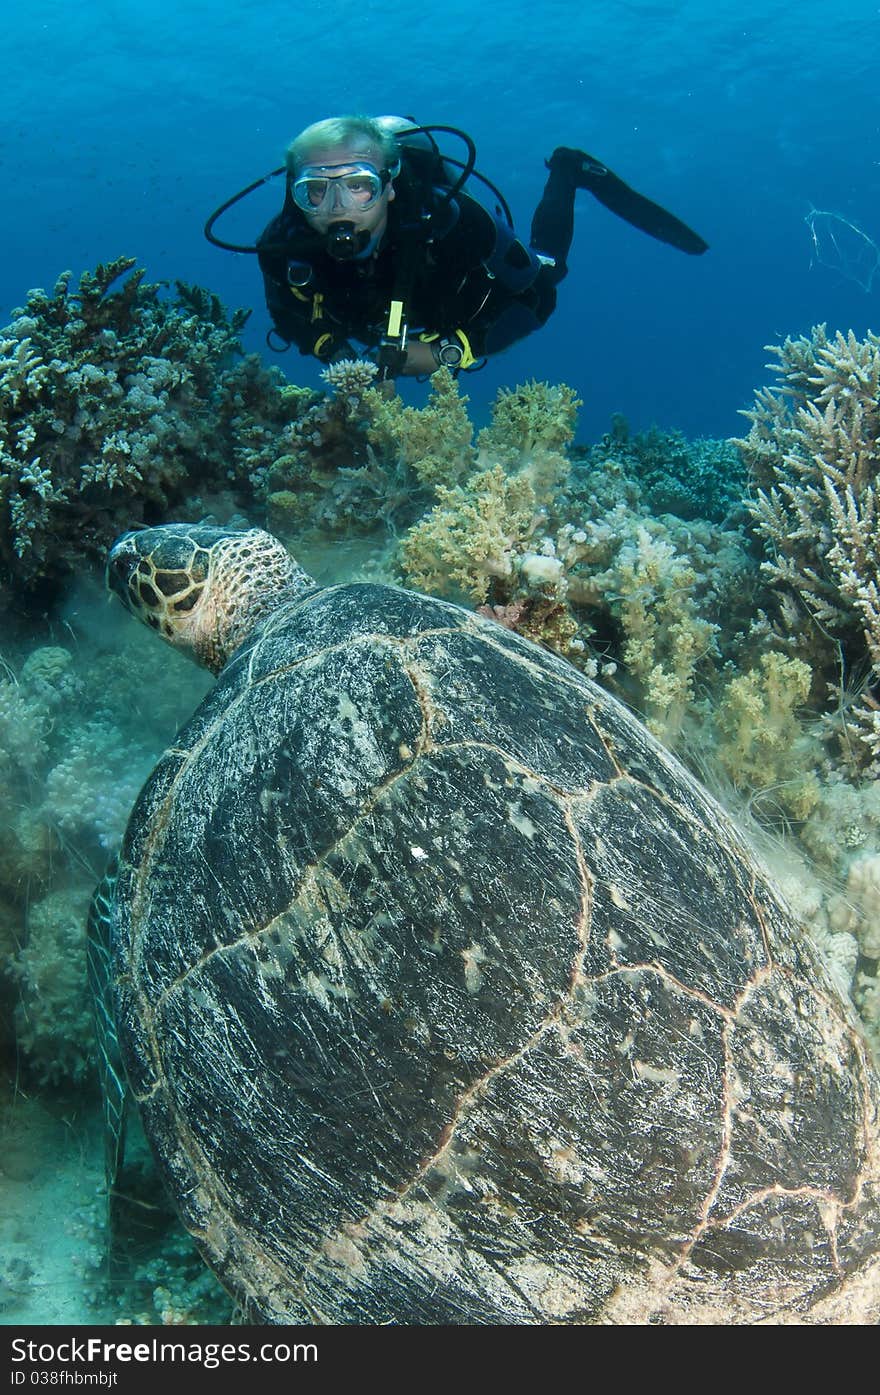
[469,275]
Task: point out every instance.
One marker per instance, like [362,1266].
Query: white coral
[22,370]
[39,479]
[90,792]
[863,886]
[350,377]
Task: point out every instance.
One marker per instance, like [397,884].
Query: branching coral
[532,417]
[764,746]
[637,578]
[657,594]
[360,460]
[432,443]
[327,478]
[532,426]
[665,635]
[470,536]
[814,455]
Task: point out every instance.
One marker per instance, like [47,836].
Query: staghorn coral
[814,456]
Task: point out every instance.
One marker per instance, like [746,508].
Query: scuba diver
[378,251]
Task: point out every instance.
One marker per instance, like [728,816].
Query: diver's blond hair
[342,130]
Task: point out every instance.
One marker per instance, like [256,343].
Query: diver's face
[372,220]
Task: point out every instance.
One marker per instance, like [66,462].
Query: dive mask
[322,188]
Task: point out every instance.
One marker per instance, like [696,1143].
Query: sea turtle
[448,996]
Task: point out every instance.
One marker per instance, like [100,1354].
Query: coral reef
[53,1018]
[701,479]
[814,456]
[532,425]
[431,443]
[117,403]
[764,746]
[573,548]
[863,887]
[358,460]
[80,729]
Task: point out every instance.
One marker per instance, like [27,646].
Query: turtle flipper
[111,1071]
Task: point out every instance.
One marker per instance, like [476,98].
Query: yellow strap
[468,352]
[321,343]
[294,290]
[428,337]
[317,301]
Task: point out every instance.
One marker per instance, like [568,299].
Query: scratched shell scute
[788,1087]
[780,1240]
[595,1144]
[856,1232]
[616,1118]
[485,694]
[665,891]
[793,947]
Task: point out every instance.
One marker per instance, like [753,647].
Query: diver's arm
[288,316]
[419,359]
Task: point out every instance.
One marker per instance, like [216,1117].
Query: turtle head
[202,589]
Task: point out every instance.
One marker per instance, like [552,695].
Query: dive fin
[634,208]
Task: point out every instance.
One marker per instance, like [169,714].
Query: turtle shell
[448,996]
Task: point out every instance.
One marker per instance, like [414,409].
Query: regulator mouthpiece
[345,241]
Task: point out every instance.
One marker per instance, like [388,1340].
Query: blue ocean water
[125,125]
